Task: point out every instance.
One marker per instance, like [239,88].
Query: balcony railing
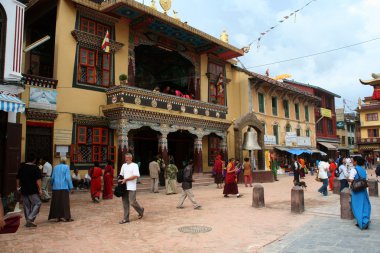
[368,140]
[148,98]
[40,81]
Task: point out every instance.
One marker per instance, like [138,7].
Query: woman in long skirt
[108,181]
[360,205]
[230,186]
[61,187]
[96,182]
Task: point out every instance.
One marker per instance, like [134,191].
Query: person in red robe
[230,186]
[96,182]
[332,169]
[108,181]
[218,170]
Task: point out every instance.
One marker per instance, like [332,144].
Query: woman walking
[332,170]
[360,205]
[230,186]
[218,170]
[96,182]
[171,177]
[61,187]
[247,172]
[343,174]
[108,181]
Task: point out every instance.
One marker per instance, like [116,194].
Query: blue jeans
[323,189]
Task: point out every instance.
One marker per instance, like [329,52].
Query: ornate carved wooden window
[94,67]
[93,144]
[93,27]
[213,148]
[217,80]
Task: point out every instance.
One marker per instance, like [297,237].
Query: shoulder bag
[359,184]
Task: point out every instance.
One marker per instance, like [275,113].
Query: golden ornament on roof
[166,5]
[153,5]
[224,36]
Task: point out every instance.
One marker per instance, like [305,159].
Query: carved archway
[251,120]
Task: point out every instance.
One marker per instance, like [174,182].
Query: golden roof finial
[166,5]
[153,5]
[224,36]
[175,15]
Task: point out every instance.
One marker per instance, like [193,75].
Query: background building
[11,39]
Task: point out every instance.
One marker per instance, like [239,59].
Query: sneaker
[197,207]
[239,196]
[226,196]
[123,221]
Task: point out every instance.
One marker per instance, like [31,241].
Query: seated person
[156,89]
[87,181]
[77,181]
[178,93]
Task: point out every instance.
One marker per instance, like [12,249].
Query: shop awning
[11,104]
[282,148]
[313,150]
[296,151]
[329,146]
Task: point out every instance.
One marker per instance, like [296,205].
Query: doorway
[181,147]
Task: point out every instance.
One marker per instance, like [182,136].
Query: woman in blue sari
[360,205]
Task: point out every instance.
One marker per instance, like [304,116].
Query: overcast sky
[323,25]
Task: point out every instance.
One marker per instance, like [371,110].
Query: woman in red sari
[108,181]
[230,186]
[96,182]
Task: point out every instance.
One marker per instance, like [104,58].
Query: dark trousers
[343,184]
[296,176]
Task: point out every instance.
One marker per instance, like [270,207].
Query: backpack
[180,176]
[336,172]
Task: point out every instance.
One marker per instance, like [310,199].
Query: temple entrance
[165,69]
[143,144]
[181,147]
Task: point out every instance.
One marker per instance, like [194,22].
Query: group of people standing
[347,170]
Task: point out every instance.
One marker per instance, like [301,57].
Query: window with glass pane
[371,117]
[288,128]
[96,135]
[329,127]
[274,106]
[275,133]
[213,147]
[216,83]
[297,111]
[320,126]
[343,139]
[306,113]
[373,132]
[286,108]
[307,132]
[298,131]
[261,102]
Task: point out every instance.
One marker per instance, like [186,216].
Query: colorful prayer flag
[106,43]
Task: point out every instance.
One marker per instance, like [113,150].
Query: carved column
[223,148]
[198,161]
[122,132]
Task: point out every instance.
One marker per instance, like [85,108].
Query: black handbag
[120,188]
[359,184]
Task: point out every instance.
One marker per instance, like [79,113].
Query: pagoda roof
[149,20]
[374,81]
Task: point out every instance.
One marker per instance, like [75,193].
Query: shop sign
[291,139]
[325,112]
[340,124]
[303,141]
[269,140]
[43,98]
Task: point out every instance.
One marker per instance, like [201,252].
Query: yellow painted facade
[241,96]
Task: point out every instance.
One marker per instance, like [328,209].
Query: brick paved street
[236,226]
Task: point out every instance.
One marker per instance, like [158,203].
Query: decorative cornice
[38,114]
[90,13]
[93,41]
[39,81]
[157,117]
[90,120]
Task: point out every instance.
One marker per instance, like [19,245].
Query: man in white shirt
[323,167]
[46,177]
[130,173]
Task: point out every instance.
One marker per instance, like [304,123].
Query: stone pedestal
[336,186]
[297,200]
[258,196]
[262,176]
[373,188]
[345,204]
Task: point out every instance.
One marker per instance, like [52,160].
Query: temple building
[119,76]
[369,110]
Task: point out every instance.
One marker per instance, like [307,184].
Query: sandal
[123,221]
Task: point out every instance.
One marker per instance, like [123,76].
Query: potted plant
[123,79]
